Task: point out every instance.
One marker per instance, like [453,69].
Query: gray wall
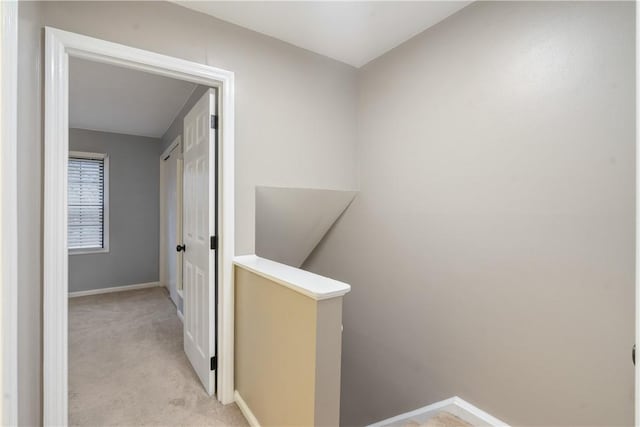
[295,126]
[290,222]
[177,126]
[491,248]
[134,190]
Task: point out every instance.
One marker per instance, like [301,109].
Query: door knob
[181,248]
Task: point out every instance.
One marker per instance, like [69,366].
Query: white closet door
[170,171]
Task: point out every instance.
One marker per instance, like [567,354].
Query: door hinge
[214,363]
[214,243]
[214,121]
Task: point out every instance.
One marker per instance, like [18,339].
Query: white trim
[468,412]
[9,214]
[307,283]
[105,214]
[162,261]
[244,408]
[637,264]
[423,412]
[55,254]
[88,155]
[454,405]
[180,315]
[89,251]
[180,225]
[161,233]
[112,289]
[59,45]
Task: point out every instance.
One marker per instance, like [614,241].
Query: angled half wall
[290,222]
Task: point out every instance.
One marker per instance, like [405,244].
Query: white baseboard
[251,419]
[454,405]
[180,315]
[114,289]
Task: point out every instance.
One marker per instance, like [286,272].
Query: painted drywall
[354,32]
[30,161]
[295,110]
[523,226]
[295,126]
[290,222]
[134,191]
[177,126]
[146,102]
[491,247]
[288,373]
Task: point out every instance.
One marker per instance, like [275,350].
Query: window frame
[105,214]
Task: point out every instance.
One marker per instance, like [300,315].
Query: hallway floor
[127,365]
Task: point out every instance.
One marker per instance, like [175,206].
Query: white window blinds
[86,203]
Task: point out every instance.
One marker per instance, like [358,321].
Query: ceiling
[354,32]
[114,99]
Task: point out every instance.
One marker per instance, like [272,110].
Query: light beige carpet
[127,366]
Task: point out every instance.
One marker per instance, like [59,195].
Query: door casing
[171,151]
[59,46]
[8,213]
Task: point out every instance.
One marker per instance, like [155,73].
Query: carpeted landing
[127,366]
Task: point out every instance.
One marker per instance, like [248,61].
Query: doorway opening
[120,120]
[80,220]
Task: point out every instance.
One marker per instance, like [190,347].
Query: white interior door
[172,213]
[179,225]
[199,225]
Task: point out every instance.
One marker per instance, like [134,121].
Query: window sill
[88,251]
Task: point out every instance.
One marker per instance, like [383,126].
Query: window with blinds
[86,201]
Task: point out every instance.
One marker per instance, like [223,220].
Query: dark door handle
[633,354]
[181,248]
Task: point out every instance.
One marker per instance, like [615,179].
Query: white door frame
[9,214]
[176,143]
[59,45]
[637,258]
